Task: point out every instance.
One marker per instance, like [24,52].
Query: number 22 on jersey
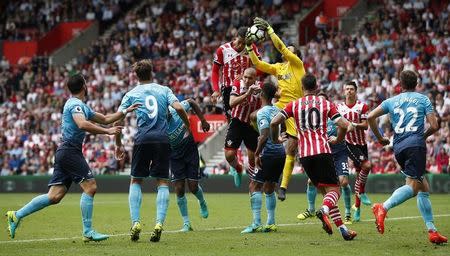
[411,113]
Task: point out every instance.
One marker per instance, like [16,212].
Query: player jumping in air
[310,114]
[289,74]
[151,150]
[230,61]
[70,164]
[244,100]
[407,112]
[269,158]
[184,161]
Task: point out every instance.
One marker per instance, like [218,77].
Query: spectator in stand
[321,21]
[442,161]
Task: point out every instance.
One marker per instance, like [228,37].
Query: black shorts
[272,168]
[358,154]
[150,159]
[320,170]
[70,166]
[413,162]
[184,162]
[239,131]
[226,101]
[341,162]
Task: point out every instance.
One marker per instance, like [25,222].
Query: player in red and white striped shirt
[244,99]
[230,61]
[356,112]
[310,114]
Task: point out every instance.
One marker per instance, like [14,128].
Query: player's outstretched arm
[87,126]
[182,113]
[279,45]
[434,125]
[111,118]
[372,120]
[199,113]
[259,64]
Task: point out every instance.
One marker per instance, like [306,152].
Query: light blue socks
[86,205]
[162,202]
[256,202]
[199,194]
[311,193]
[424,205]
[399,196]
[135,201]
[34,205]
[347,193]
[182,205]
[271,203]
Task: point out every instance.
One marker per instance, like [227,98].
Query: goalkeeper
[289,74]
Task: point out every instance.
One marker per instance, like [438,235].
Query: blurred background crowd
[181,37]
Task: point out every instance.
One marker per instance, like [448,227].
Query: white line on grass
[210,229]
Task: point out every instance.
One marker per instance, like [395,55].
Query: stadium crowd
[27,20]
[32,96]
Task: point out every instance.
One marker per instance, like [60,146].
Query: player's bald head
[250,71]
[249,76]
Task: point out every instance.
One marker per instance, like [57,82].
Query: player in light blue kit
[70,165]
[269,158]
[184,161]
[407,112]
[151,150]
[340,157]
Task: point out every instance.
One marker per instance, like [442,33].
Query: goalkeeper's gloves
[248,42]
[263,24]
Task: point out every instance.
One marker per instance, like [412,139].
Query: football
[258,35]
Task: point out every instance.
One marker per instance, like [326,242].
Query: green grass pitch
[57,229]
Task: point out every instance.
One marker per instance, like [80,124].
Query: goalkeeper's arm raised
[281,47]
[259,64]
[287,54]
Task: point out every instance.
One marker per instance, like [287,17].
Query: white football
[258,35]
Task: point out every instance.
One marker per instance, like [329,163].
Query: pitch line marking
[210,229]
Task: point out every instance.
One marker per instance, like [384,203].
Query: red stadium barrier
[57,37]
[216,121]
[14,50]
[61,35]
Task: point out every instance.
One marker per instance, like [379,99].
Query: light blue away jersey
[152,114]
[332,131]
[71,134]
[264,117]
[407,112]
[177,131]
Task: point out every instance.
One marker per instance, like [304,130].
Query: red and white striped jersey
[253,102]
[310,114]
[355,114]
[233,63]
